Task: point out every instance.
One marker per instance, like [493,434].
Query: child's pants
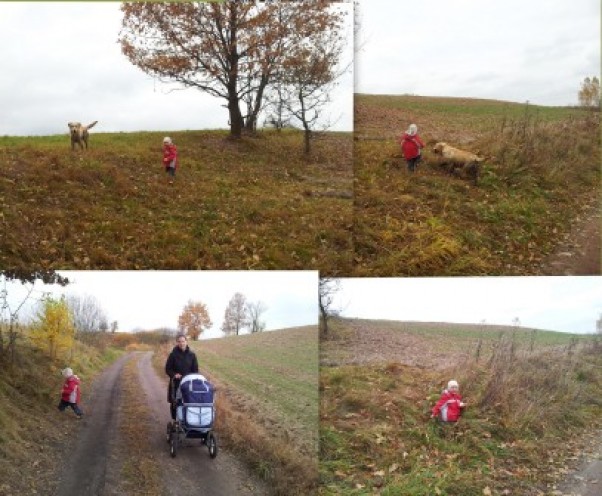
[64,404]
[413,163]
[171,168]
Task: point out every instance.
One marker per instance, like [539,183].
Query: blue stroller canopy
[194,388]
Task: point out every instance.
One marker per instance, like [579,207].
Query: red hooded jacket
[448,407]
[410,145]
[170,153]
[71,392]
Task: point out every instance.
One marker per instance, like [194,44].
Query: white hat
[452,384]
[67,372]
[413,130]
[167,140]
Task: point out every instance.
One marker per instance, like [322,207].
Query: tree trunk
[236,123]
[235,117]
[254,109]
[306,138]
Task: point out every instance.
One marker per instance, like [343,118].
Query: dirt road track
[579,254]
[93,464]
[587,479]
[86,470]
[192,472]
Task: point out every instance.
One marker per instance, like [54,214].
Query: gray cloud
[61,62]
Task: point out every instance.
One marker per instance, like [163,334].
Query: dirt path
[579,254]
[95,458]
[192,472]
[86,470]
[587,479]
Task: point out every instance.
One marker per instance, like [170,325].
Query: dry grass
[275,460]
[34,435]
[255,204]
[141,472]
[267,402]
[526,416]
[533,183]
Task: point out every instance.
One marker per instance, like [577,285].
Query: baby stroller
[195,414]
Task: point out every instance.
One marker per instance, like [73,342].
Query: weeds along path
[86,470]
[192,471]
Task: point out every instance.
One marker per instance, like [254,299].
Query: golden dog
[79,134]
[459,162]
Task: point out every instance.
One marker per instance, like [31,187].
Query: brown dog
[459,162]
[79,134]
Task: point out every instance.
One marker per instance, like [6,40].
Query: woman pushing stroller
[190,397]
[181,361]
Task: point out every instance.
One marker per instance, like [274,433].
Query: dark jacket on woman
[180,362]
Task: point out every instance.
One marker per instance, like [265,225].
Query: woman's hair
[181,335]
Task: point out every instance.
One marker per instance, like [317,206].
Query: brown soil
[361,344]
[586,480]
[578,254]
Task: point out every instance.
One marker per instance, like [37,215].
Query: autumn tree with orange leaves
[194,319]
[232,49]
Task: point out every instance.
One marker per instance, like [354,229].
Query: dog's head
[438,148]
[74,127]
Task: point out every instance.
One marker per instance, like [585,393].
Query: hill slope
[257,203]
[34,435]
[521,432]
[268,401]
[534,182]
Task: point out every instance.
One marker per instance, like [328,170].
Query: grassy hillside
[430,344]
[268,402]
[254,204]
[526,414]
[542,170]
[33,432]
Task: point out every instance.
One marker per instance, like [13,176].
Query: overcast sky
[61,62]
[567,304]
[154,299]
[514,50]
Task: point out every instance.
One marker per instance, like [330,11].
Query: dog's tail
[91,125]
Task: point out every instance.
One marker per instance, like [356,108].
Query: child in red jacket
[411,144]
[170,158]
[449,407]
[71,394]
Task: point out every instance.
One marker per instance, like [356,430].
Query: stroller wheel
[173,444]
[212,444]
[168,432]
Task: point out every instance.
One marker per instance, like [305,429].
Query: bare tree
[88,314]
[307,77]
[255,309]
[327,288]
[236,317]
[114,326]
[9,322]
